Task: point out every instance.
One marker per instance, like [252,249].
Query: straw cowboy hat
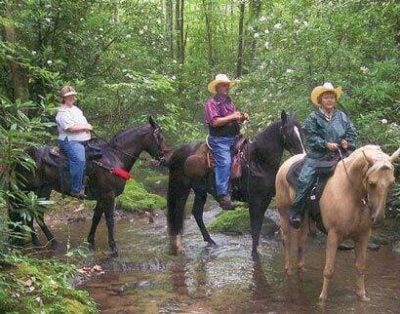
[220,78]
[67,91]
[327,87]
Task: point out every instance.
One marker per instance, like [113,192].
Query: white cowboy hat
[327,87]
[220,78]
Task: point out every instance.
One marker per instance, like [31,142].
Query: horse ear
[152,122]
[395,155]
[284,116]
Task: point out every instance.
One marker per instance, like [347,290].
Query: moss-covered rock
[40,286]
[136,199]
[238,222]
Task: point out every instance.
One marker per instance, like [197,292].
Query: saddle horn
[395,155]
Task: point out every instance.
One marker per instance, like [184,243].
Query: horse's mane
[372,151]
[262,138]
[121,135]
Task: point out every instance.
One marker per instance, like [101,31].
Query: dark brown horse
[120,152]
[256,186]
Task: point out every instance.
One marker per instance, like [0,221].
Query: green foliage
[236,222]
[41,286]
[136,199]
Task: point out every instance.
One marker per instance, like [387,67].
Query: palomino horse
[256,186]
[121,151]
[353,201]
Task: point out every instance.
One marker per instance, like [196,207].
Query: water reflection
[225,278]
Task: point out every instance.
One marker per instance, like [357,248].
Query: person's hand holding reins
[244,117]
[344,144]
[332,146]
[236,116]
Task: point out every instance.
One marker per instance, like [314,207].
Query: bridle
[365,199]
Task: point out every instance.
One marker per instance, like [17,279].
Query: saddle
[325,169]
[53,156]
[202,161]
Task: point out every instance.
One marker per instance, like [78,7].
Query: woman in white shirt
[74,132]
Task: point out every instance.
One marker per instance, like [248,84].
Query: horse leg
[331,248]
[109,215]
[361,255]
[197,211]
[178,192]
[285,233]
[257,207]
[35,240]
[301,242]
[98,212]
[45,193]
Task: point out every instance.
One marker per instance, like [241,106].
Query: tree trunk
[255,9]
[170,27]
[207,7]
[239,66]
[18,76]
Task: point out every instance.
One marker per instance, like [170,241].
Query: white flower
[34,53]
[256,35]
[278,26]
[296,21]
[266,31]
[122,55]
[364,69]
[263,18]
[47,6]
[305,23]
[49,62]
[267,45]
[289,70]
[384,121]
[128,36]
[48,20]
[165,49]
[145,27]
[101,29]
[81,19]
[141,32]
[158,21]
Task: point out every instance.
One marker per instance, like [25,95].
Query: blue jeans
[75,152]
[223,149]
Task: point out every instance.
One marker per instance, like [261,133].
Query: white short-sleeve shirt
[67,117]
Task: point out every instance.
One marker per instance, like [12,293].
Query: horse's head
[292,134]
[379,178]
[156,145]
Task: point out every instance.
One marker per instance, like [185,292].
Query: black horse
[102,185]
[256,186]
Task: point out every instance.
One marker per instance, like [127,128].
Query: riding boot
[225,202]
[297,214]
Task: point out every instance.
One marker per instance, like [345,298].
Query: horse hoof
[322,297]
[211,243]
[113,252]
[363,298]
[54,244]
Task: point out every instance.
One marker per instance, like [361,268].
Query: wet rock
[373,246]
[143,284]
[396,247]
[379,240]
[346,245]
[349,245]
